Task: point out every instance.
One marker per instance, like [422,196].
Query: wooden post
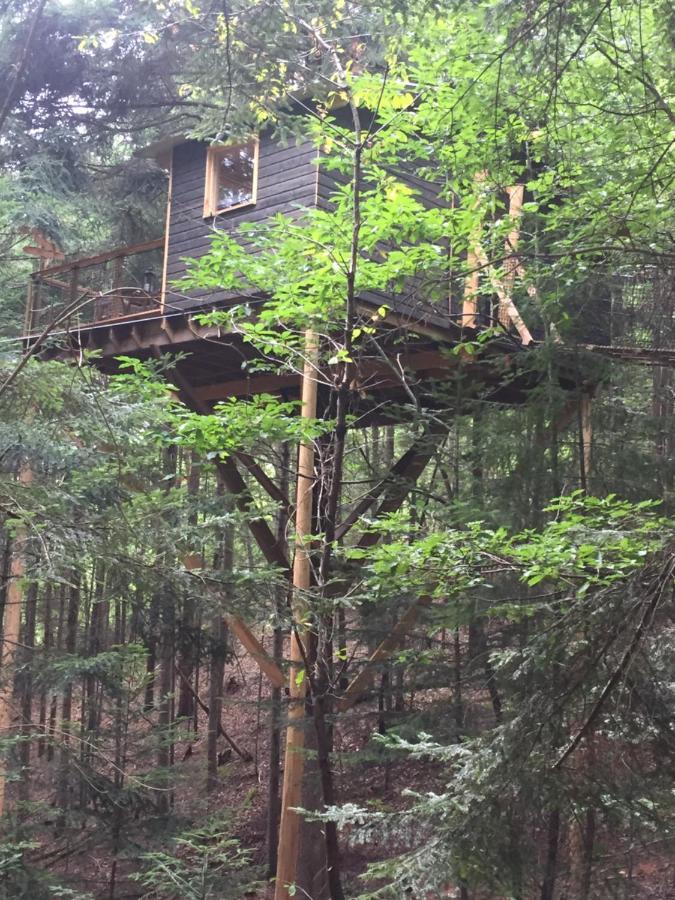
[30,304]
[586,436]
[10,636]
[471,284]
[382,652]
[294,762]
[516,197]
[167,227]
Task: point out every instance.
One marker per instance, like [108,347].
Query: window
[231,176]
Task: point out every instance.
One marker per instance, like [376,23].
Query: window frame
[213,155]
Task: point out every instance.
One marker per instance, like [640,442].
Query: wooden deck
[126,281]
[417,356]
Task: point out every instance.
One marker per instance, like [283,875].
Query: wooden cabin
[124,301]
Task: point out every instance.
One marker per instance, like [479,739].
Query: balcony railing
[107,287]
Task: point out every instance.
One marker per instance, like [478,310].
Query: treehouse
[125,301]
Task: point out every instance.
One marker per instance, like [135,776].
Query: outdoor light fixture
[149,282]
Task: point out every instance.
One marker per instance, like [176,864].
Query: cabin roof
[160,149]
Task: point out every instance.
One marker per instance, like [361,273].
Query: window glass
[235,171]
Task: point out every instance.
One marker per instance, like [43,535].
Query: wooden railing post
[30,305]
[118,269]
[73,285]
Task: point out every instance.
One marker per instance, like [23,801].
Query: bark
[187,657]
[47,641]
[551,866]
[28,654]
[280,596]
[166,605]
[165,707]
[53,707]
[63,793]
[151,658]
[457,696]
[218,656]
[11,627]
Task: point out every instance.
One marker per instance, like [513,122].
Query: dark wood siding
[287,183]
[412,300]
[289,180]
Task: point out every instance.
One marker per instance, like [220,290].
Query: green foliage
[19,880]
[573,100]
[202,863]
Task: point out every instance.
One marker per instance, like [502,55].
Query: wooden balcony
[111,286]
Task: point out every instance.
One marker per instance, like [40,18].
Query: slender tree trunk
[218,656]
[551,866]
[47,641]
[10,636]
[167,660]
[187,656]
[67,702]
[457,696]
[120,717]
[478,645]
[53,707]
[28,655]
[151,658]
[588,848]
[5,572]
[280,596]
[165,706]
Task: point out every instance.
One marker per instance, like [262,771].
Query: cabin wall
[287,182]
[289,179]
[415,298]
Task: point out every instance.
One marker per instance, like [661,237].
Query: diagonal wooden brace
[233,481]
[246,637]
[361,681]
[255,649]
[397,483]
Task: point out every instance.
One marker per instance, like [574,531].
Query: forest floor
[363,776]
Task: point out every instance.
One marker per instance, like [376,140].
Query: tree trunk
[165,718]
[218,656]
[151,658]
[10,636]
[53,707]
[28,655]
[46,651]
[63,794]
[274,780]
[187,656]
[551,867]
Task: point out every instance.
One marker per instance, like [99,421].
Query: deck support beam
[361,681]
[294,761]
[396,485]
[234,482]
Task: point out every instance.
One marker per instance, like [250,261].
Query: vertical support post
[586,437]
[473,260]
[167,226]
[73,286]
[294,762]
[115,302]
[10,636]
[516,197]
[470,301]
[30,304]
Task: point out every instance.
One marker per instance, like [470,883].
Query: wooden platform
[418,359]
